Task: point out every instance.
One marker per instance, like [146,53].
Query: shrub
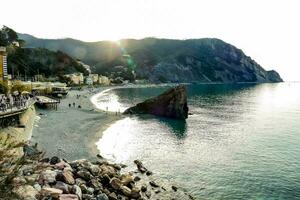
[3,88]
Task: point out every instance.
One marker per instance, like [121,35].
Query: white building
[76,78]
[95,78]
[89,80]
[103,80]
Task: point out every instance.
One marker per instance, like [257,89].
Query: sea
[240,141]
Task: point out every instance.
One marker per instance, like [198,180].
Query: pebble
[153,184]
[149,173]
[102,197]
[137,178]
[174,188]
[144,188]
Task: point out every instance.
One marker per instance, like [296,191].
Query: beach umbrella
[25,92]
[15,92]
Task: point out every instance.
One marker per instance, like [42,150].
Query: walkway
[15,110]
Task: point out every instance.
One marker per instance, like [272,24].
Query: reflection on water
[108,101]
[242,141]
[177,127]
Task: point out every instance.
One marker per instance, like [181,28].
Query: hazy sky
[266,30]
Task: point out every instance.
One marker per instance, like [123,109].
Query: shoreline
[84,125]
[139,185]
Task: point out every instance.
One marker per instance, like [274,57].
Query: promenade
[16,108]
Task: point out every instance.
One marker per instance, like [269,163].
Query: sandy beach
[53,129]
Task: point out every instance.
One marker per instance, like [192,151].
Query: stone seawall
[17,134]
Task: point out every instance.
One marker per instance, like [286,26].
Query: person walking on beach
[69,105]
[73,104]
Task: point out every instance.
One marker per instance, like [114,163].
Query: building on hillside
[95,78]
[103,80]
[3,64]
[89,80]
[76,78]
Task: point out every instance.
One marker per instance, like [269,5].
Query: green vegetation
[163,60]
[3,88]
[18,86]
[27,62]
[8,36]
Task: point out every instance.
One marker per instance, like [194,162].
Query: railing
[15,106]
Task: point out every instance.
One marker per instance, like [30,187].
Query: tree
[11,34]
[3,88]
[3,39]
[18,86]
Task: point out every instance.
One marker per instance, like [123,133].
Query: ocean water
[242,141]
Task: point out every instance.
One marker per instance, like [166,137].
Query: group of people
[9,101]
[70,105]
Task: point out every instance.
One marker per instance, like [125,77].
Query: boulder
[61,186]
[76,190]
[109,170]
[113,196]
[52,192]
[18,180]
[68,197]
[47,176]
[126,179]
[68,177]
[171,104]
[25,191]
[126,191]
[115,183]
[102,197]
[84,174]
[135,193]
[95,183]
[140,166]
[54,160]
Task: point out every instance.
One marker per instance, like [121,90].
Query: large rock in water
[172,104]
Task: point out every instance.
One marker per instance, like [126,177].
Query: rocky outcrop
[172,104]
[273,76]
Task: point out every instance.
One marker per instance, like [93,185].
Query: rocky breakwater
[172,104]
[58,179]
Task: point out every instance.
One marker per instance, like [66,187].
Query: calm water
[242,141]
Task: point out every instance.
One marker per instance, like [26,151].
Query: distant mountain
[163,60]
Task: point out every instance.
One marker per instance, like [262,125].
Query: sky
[266,30]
